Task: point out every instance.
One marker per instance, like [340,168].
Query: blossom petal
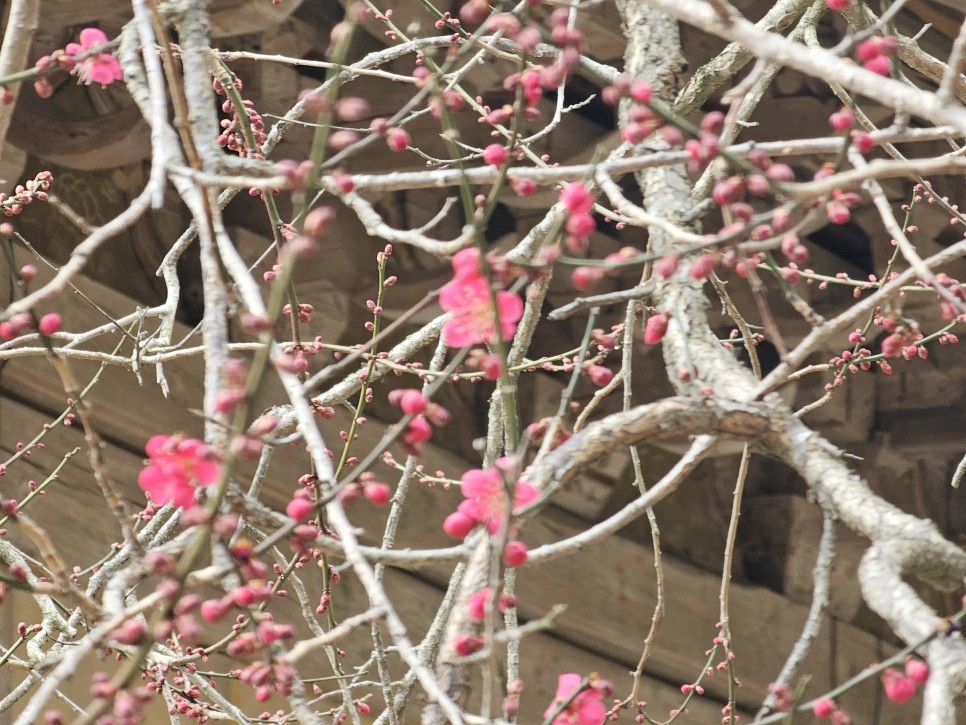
[207,472]
[457,333]
[157,446]
[478,483]
[566,684]
[523,494]
[474,509]
[104,69]
[165,486]
[591,712]
[91,37]
[466,262]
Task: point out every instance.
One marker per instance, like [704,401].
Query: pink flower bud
[438,415]
[467,644]
[841,717]
[655,329]
[823,708]
[318,221]
[212,610]
[879,65]
[495,154]
[313,101]
[581,224]
[349,494]
[342,139]
[511,707]
[837,212]
[917,670]
[666,266]
[419,430]
[413,402]
[641,92]
[397,139]
[244,596]
[523,186]
[290,364]
[727,191]
[378,494]
[837,4]
[888,45]
[758,186]
[780,173]
[477,604]
[583,278]
[49,323]
[459,525]
[898,687]
[352,108]
[702,266]
[600,375]
[576,199]
[475,12]
[131,632]
[299,508]
[492,366]
[867,50]
[713,122]
[343,183]
[842,120]
[863,142]
[515,554]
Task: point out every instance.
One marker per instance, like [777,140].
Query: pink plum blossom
[100,68]
[486,501]
[467,298]
[486,498]
[466,263]
[177,466]
[587,708]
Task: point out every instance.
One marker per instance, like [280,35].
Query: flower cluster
[235,136]
[468,300]
[826,709]
[33,189]
[100,68]
[580,223]
[486,500]
[875,54]
[901,687]
[177,466]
